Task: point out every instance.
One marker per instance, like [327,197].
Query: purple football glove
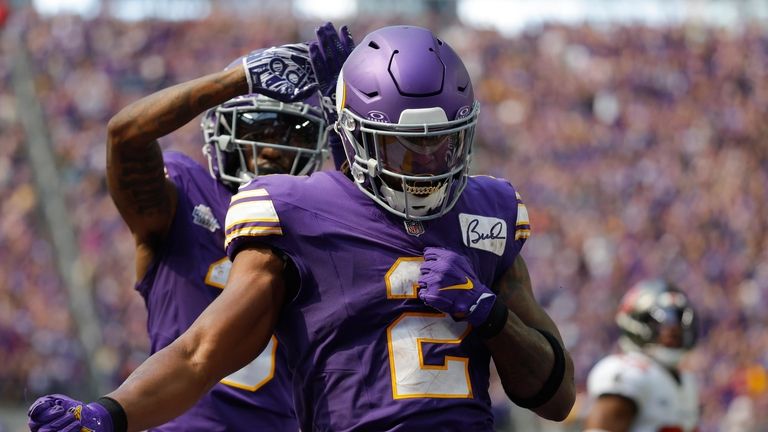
[62,413]
[449,284]
[328,54]
[283,72]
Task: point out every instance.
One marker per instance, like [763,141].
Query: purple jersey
[366,352]
[188,272]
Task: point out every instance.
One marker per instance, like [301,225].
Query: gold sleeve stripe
[254,221]
[522,234]
[252,231]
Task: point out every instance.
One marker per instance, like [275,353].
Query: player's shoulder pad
[266,199]
[504,194]
[252,214]
[282,187]
[620,374]
[261,208]
[177,162]
[506,201]
[488,183]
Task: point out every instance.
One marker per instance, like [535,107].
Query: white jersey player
[642,389]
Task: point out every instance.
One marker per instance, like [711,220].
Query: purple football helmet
[240,128]
[407,116]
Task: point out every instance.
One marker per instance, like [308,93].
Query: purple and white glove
[62,413]
[328,55]
[283,73]
[449,284]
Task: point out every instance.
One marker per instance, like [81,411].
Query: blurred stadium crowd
[639,151]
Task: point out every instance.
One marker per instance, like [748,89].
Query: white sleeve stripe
[522,215]
[250,211]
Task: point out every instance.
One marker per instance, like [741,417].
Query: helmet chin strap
[417,206]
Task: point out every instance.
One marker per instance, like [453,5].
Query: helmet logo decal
[463,112]
[378,116]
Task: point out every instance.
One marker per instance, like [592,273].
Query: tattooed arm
[145,198]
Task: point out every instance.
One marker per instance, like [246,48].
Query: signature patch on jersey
[484,232]
[203,215]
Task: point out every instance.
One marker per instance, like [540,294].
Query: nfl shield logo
[414,228]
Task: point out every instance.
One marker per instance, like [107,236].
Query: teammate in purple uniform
[175,209]
[177,222]
[409,274]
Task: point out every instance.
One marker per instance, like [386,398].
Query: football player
[175,208]
[642,389]
[390,286]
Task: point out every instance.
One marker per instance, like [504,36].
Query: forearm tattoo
[141,177]
[137,164]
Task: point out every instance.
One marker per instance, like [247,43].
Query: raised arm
[524,358]
[145,198]
[231,332]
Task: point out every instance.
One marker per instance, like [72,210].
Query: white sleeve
[613,375]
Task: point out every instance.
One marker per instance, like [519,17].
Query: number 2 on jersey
[411,376]
[261,370]
[256,373]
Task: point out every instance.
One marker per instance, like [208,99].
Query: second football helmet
[646,309]
[407,115]
[240,128]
